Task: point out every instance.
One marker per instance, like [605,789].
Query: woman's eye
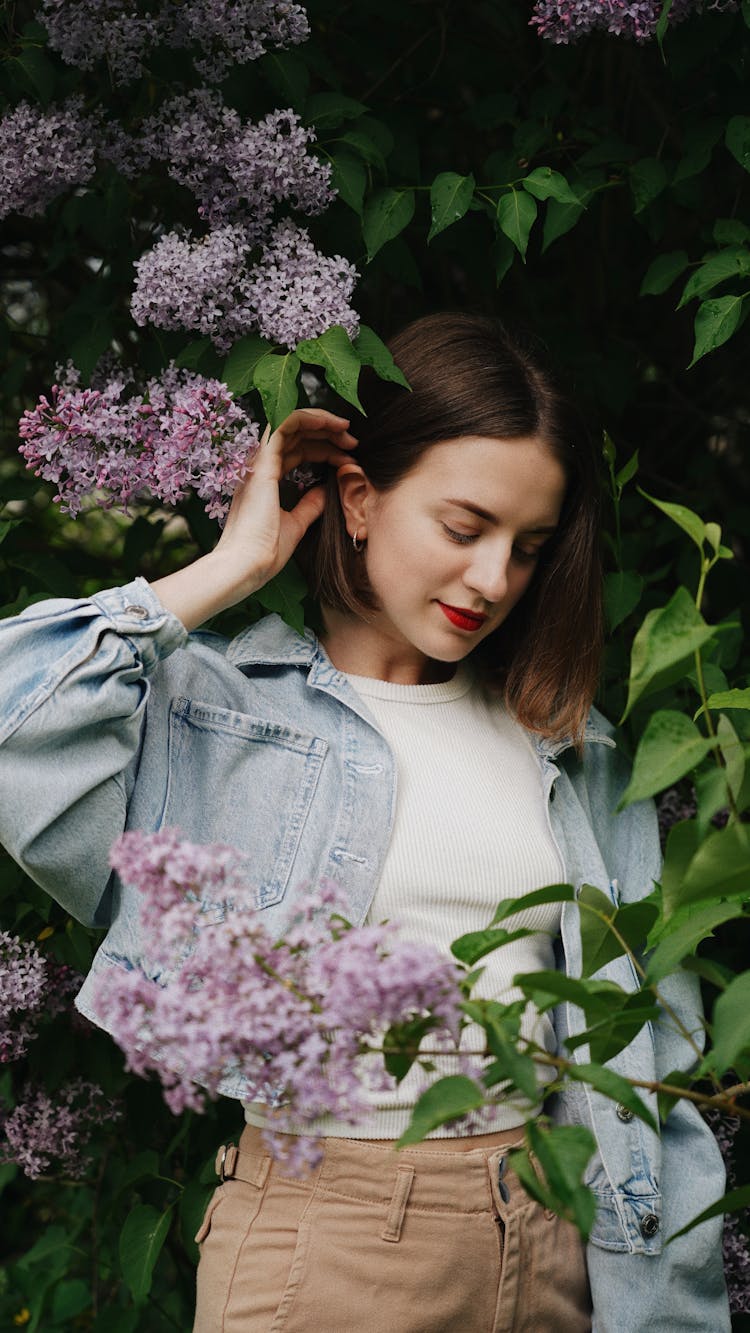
[527,557]
[461,537]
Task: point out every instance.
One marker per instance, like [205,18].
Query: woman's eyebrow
[491,518]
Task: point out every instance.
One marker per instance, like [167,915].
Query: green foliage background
[597,193]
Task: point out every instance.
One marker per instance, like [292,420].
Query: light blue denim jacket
[262,743]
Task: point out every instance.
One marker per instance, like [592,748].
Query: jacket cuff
[136,612]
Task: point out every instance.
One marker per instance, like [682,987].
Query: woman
[411,750]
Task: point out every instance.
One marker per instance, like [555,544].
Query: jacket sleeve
[74,681]
[683,1287]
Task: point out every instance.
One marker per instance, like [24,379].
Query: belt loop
[401,1191]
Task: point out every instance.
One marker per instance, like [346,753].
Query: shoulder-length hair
[469,376]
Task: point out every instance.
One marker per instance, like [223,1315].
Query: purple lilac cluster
[296,292]
[224,32]
[564,21]
[288,1020]
[237,171]
[181,432]
[42,153]
[43,1131]
[32,988]
[736,1241]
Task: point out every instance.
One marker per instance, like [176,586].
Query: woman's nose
[488,576]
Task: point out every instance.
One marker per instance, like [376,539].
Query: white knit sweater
[471,829]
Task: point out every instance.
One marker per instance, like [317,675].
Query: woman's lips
[462,619]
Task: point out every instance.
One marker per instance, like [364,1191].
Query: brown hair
[469,376]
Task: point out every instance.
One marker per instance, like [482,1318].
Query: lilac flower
[296,292]
[233,32]
[564,21]
[223,32]
[237,171]
[179,433]
[23,984]
[286,1020]
[42,153]
[42,1131]
[201,285]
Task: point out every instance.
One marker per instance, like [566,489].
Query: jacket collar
[272,642]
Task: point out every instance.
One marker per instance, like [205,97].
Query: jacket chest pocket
[245,781]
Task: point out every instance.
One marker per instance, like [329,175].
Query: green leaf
[326,110]
[676,1078]
[730,699]
[733,1202]
[372,351]
[698,145]
[141,1240]
[715,322]
[737,139]
[386,214]
[720,867]
[365,146]
[450,196]
[349,178]
[732,262]
[239,366]
[690,522]
[275,378]
[544,183]
[547,988]
[612,1033]
[288,75]
[647,180]
[622,593]
[551,893]
[731,1027]
[683,840]
[733,754]
[401,1042]
[563,1153]
[599,942]
[614,1086]
[283,594]
[475,944]
[448,1098]
[730,231]
[509,1062]
[334,352]
[627,471]
[559,219]
[516,213]
[664,646]
[70,1299]
[191,356]
[684,938]
[662,271]
[669,748]
[38,71]
[503,254]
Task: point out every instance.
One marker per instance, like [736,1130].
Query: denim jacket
[260,742]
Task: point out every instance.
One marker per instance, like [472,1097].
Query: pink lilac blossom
[43,1130]
[296,292]
[23,986]
[122,32]
[201,285]
[237,171]
[564,21]
[180,432]
[42,153]
[287,1019]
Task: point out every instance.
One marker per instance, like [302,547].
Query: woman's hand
[259,536]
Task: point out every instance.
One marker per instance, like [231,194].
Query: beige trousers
[437,1238]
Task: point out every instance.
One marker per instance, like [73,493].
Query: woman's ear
[355,494]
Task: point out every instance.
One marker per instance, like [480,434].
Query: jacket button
[139,612]
[623,1113]
[649,1225]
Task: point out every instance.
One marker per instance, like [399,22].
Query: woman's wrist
[209,585]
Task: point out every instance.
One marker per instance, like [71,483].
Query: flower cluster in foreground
[181,432]
[284,1021]
[43,1131]
[564,21]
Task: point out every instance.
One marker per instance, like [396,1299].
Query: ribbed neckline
[442,692]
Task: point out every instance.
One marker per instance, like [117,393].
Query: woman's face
[453,546]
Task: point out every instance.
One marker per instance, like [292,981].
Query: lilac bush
[45,1131]
[23,985]
[181,432]
[297,292]
[43,153]
[285,1021]
[564,21]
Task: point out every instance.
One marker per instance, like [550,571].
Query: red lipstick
[462,619]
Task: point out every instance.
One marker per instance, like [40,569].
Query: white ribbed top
[471,829]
